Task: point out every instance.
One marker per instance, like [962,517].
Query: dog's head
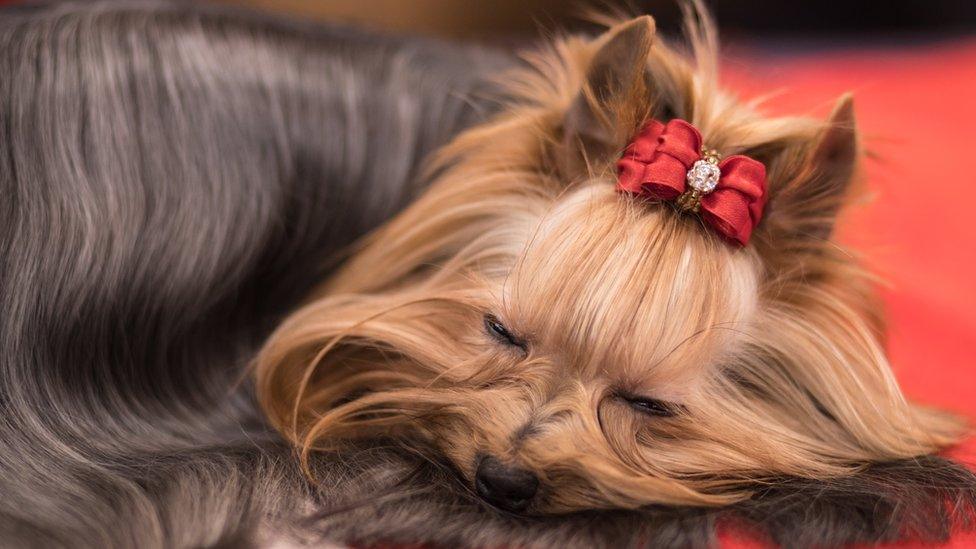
[566,346]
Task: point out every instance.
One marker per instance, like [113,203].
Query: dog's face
[591,356]
[564,346]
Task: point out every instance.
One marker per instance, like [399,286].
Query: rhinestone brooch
[704,174]
[702,179]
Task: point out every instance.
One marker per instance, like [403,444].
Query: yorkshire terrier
[621,291]
[596,301]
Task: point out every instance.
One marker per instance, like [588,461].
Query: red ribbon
[655,165]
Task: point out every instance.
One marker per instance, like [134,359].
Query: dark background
[851,20]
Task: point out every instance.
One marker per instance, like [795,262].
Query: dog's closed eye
[652,406]
[500,333]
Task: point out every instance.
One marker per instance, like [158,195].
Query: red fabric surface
[917,110]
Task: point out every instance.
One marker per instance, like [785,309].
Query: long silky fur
[173,179]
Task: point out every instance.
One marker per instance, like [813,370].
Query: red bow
[656,165]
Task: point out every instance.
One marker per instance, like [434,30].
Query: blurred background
[514,19]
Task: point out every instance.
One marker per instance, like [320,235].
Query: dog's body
[174,178]
[173,181]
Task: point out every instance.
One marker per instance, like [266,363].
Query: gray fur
[173,178]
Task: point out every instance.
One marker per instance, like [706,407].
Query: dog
[269,282]
[566,346]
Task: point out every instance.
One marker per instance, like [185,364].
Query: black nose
[507,487]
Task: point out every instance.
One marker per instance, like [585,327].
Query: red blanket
[916,107]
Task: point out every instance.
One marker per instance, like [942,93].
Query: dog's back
[172,180]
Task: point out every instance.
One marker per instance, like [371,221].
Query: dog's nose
[505,486]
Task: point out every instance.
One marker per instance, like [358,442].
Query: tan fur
[774,351]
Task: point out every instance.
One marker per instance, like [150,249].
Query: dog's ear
[807,205]
[601,117]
